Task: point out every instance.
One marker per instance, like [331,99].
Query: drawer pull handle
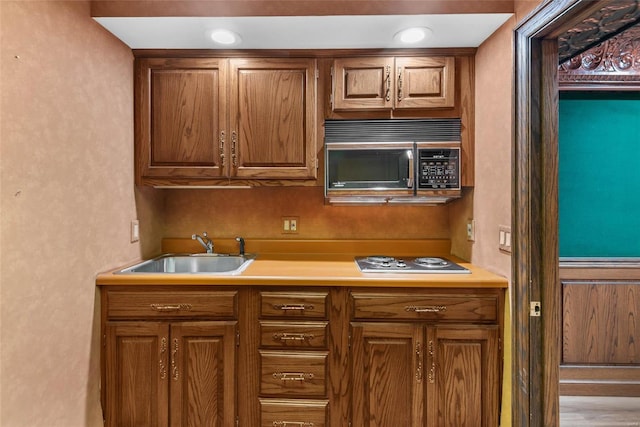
[170,307]
[426,309]
[284,337]
[292,423]
[293,307]
[293,376]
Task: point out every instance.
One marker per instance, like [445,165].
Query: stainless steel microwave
[392,172]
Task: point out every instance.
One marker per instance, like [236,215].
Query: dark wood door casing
[537,340]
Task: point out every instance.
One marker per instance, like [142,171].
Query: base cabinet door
[412,374]
[137,376]
[462,376]
[387,375]
[170,374]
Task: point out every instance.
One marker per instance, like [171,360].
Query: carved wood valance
[611,65]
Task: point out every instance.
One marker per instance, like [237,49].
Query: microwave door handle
[411,169]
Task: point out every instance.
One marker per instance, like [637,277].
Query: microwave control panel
[438,168]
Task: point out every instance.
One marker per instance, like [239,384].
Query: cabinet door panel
[463,378]
[136,374]
[387,375]
[202,372]
[180,117]
[425,82]
[363,83]
[600,313]
[273,118]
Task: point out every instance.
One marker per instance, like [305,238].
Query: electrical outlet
[135,231]
[290,224]
[471,230]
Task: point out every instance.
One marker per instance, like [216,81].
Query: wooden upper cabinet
[425,82]
[383,83]
[273,116]
[363,83]
[181,115]
[206,121]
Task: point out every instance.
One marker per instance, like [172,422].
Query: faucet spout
[204,241]
[240,241]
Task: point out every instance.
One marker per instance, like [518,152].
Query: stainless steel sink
[198,263]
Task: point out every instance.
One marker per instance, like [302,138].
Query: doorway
[539,47]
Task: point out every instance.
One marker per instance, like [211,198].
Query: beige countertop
[315,269]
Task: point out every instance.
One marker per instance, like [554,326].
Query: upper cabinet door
[273,116]
[181,118]
[363,83]
[385,83]
[425,82]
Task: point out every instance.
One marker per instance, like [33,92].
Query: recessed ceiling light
[225,37]
[412,35]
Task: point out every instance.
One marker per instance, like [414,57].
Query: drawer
[293,413]
[440,307]
[286,334]
[298,374]
[171,304]
[302,305]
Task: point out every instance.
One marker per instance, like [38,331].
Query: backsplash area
[258,213]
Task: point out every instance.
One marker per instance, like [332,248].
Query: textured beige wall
[67,199]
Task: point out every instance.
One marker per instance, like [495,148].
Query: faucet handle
[204,241]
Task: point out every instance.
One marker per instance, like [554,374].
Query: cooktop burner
[389,264]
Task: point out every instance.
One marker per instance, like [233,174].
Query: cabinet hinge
[316,163]
[317,74]
[237,421]
[237,338]
[535,308]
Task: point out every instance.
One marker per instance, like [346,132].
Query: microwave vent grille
[409,130]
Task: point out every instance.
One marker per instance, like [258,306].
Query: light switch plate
[135,231]
[504,238]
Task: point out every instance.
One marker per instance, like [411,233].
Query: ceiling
[303,32]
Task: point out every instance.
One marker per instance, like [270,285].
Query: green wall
[599,174]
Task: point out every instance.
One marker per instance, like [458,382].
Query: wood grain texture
[425,82]
[384,368]
[203,374]
[466,359]
[273,118]
[180,114]
[136,388]
[601,322]
[299,412]
[293,374]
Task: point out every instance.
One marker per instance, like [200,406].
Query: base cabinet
[314,357]
[415,375]
[167,360]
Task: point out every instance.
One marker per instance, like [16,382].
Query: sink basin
[200,263]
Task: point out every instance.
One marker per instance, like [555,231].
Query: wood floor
[597,411]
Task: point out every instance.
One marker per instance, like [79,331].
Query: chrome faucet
[204,241]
